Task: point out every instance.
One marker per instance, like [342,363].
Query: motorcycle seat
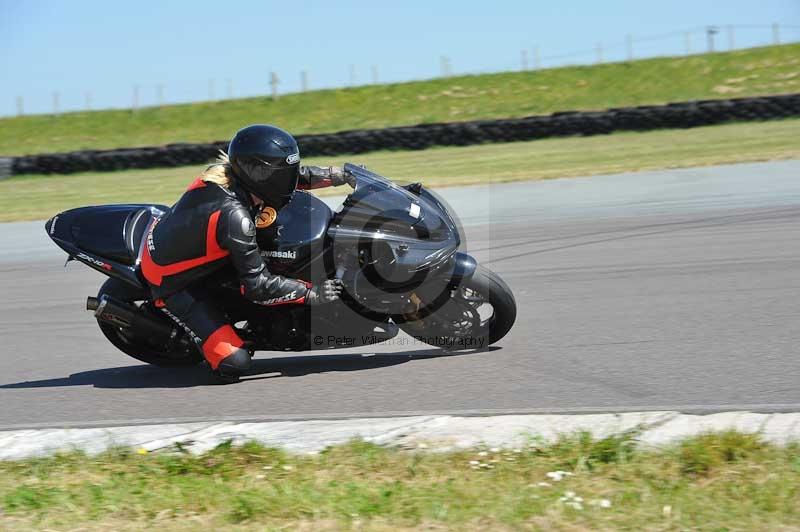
[114,232]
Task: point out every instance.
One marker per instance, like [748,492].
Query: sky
[116,53]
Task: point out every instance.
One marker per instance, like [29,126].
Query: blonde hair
[221,172]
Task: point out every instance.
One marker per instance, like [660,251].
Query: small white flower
[482,453]
[474,462]
[517,451]
[569,494]
[543,485]
[575,505]
[578,499]
[602,503]
[287,468]
[495,449]
[267,467]
[422,446]
[260,477]
[666,510]
[557,475]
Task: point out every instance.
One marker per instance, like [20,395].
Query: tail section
[106,237]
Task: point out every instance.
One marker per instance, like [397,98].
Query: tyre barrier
[569,123]
[5,167]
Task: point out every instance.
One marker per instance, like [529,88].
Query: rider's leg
[206,326]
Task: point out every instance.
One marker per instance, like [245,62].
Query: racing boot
[227,354]
[233,366]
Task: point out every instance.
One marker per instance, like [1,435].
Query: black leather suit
[210,227]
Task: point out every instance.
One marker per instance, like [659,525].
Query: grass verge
[38,197]
[724,481]
[755,71]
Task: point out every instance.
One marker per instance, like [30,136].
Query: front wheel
[135,345]
[479,313]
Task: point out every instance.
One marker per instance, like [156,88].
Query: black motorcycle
[396,249]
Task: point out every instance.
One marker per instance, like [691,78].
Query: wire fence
[691,41]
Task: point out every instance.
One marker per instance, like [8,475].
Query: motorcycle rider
[214,224]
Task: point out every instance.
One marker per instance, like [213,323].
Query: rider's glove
[340,176]
[326,292]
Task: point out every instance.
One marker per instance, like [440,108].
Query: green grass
[758,71]
[39,197]
[726,481]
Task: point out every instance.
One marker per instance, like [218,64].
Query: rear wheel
[479,312]
[129,342]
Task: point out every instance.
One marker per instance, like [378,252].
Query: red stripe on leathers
[197,183]
[322,183]
[155,273]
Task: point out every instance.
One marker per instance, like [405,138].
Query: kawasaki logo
[281,254]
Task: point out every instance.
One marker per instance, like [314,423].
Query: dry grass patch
[711,482]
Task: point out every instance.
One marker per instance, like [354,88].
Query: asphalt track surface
[676,290]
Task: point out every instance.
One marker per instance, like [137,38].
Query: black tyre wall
[641,118]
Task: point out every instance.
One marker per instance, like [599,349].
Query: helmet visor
[273,184]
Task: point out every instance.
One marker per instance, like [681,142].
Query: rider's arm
[318,177]
[237,233]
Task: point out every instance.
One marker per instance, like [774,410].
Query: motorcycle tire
[494,291]
[136,348]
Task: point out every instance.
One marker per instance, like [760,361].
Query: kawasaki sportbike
[396,248]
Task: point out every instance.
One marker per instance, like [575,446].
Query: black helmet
[266,161]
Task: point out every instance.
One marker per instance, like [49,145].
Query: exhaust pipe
[120,314]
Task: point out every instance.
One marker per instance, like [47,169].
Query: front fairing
[408,229]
